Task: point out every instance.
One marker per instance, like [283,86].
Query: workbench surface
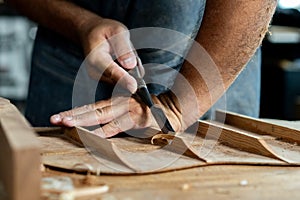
[210,182]
[207,182]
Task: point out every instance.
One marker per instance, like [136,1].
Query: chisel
[143,93]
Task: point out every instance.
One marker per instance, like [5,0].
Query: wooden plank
[115,152]
[211,182]
[259,126]
[19,156]
[101,147]
[236,138]
[137,160]
[125,155]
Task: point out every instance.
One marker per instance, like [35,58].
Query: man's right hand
[104,40]
[101,38]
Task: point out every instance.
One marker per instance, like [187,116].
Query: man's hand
[119,114]
[103,39]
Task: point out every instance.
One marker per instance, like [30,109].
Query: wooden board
[19,156]
[259,126]
[215,143]
[224,182]
[220,154]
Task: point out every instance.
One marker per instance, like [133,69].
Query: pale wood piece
[237,138]
[98,146]
[19,156]
[48,130]
[259,126]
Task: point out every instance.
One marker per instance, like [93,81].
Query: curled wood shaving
[162,139]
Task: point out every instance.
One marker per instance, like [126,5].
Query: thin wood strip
[99,146]
[48,130]
[19,156]
[259,126]
[238,139]
[178,144]
[111,152]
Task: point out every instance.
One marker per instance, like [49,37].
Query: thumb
[123,49]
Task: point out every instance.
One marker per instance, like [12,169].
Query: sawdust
[185,186]
[134,144]
[89,180]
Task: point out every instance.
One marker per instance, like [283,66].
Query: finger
[123,50]
[101,66]
[58,118]
[119,75]
[102,115]
[98,74]
[130,120]
[118,125]
[128,60]
[113,74]
[86,119]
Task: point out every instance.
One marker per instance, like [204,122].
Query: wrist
[168,103]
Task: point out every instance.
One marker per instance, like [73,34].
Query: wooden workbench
[210,182]
[207,182]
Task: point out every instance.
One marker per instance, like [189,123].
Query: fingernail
[128,62]
[56,118]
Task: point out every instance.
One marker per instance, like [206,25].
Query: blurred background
[280,81]
[280,89]
[17,34]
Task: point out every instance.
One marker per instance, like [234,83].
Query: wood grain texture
[100,147]
[19,156]
[138,155]
[220,182]
[237,138]
[259,126]
[146,158]
[214,143]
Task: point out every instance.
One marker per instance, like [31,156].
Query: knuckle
[88,107]
[99,115]
[66,113]
[116,124]
[119,27]
[99,112]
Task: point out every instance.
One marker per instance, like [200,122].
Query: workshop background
[280,81]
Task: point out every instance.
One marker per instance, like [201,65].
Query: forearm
[61,16]
[230,33]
